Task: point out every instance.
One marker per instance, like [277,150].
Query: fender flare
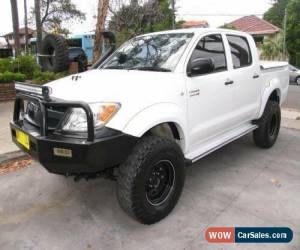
[274,85]
[155,115]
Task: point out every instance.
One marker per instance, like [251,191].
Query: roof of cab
[197,31]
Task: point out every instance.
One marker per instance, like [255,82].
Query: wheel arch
[272,94]
[161,119]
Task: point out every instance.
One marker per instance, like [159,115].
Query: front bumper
[96,151]
[86,157]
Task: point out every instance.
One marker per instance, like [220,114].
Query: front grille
[33,115]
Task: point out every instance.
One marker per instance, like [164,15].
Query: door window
[211,47]
[240,51]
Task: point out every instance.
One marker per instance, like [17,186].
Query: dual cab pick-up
[159,102]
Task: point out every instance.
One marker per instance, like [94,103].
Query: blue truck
[84,41]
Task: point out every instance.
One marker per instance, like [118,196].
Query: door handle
[228,82]
[255,76]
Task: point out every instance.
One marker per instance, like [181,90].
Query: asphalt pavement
[238,185]
[293,98]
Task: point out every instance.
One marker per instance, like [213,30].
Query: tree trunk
[39,28]
[15,20]
[26,26]
[102,14]
[173,14]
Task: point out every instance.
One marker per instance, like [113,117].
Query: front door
[211,96]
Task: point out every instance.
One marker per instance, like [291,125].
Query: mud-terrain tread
[61,60]
[260,135]
[129,171]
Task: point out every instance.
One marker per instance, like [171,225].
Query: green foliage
[293,30]
[25,68]
[275,14]
[44,77]
[19,77]
[6,64]
[298,60]
[26,65]
[23,64]
[9,77]
[137,18]
[272,48]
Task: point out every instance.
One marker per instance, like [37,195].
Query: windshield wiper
[114,67]
[150,68]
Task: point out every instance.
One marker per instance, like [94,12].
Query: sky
[216,12]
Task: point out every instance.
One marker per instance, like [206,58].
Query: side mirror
[200,66]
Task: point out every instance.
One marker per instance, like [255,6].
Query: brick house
[257,27]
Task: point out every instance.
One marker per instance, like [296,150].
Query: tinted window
[240,51]
[211,47]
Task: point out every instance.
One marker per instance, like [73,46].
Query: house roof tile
[254,25]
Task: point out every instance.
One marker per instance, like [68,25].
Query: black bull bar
[41,95]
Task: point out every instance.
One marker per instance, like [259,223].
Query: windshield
[160,52]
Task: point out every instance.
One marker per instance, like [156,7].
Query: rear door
[245,73]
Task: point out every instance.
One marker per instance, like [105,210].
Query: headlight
[76,119]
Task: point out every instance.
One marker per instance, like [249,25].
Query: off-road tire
[134,176]
[268,126]
[57,46]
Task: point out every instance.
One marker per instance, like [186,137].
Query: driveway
[293,99]
[239,185]
[6,114]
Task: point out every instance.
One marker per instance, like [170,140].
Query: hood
[110,85]
[134,90]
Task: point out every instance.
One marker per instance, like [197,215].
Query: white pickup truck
[158,103]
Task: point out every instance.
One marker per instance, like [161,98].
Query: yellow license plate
[23,139]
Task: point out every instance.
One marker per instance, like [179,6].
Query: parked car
[294,74]
[160,102]
[78,55]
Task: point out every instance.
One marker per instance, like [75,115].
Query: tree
[26,25]
[54,13]
[39,26]
[272,49]
[293,31]
[138,17]
[103,6]
[15,20]
[275,14]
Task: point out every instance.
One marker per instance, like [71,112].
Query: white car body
[206,112]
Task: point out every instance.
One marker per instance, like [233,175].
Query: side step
[215,144]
